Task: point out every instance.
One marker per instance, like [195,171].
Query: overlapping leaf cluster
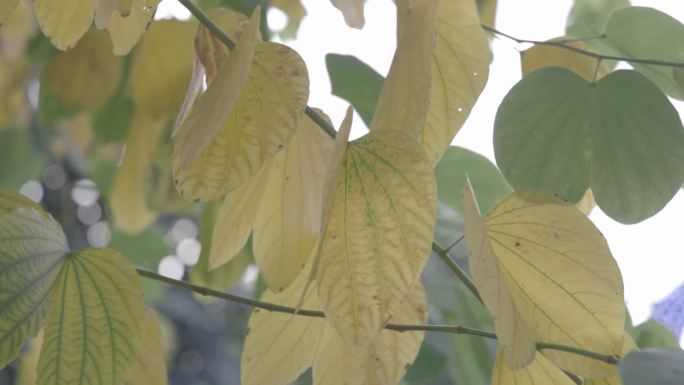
[343,227]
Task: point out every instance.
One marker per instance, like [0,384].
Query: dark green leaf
[50,109]
[652,334]
[111,121]
[355,82]
[19,161]
[621,136]
[428,364]
[653,367]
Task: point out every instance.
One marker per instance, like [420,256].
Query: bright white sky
[648,253]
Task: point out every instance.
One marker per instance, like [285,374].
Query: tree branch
[453,266]
[597,56]
[453,329]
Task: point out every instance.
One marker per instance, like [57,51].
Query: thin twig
[453,266]
[594,55]
[454,329]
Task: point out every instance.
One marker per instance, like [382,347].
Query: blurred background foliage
[64,150]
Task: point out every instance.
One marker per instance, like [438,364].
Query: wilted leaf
[405,95]
[161,67]
[460,68]
[94,328]
[355,82]
[261,122]
[235,218]
[352,11]
[149,368]
[288,222]
[379,232]
[64,22]
[384,361]
[33,248]
[213,53]
[620,136]
[653,367]
[558,270]
[516,339]
[126,30]
[540,371]
[130,188]
[279,347]
[212,109]
[86,76]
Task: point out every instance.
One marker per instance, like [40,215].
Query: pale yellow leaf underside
[405,96]
[33,248]
[382,362]
[540,56]
[379,232]
[235,218]
[279,347]
[288,222]
[260,124]
[125,31]
[150,367]
[213,107]
[515,338]
[94,327]
[562,276]
[460,67]
[538,372]
[86,76]
[211,51]
[104,9]
[162,65]
[128,197]
[628,345]
[64,22]
[352,11]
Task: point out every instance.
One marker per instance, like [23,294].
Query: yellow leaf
[260,124]
[64,22]
[279,347]
[515,338]
[33,248]
[628,345]
[288,221]
[212,109]
[104,9]
[460,67]
[161,68]
[540,56]
[382,362]
[540,371]
[487,9]
[149,368]
[17,31]
[124,7]
[228,274]
[6,7]
[86,76]
[213,53]
[235,218]
[405,96]
[295,13]
[379,232]
[352,11]
[126,30]
[565,284]
[26,372]
[587,203]
[128,197]
[10,201]
[94,327]
[196,83]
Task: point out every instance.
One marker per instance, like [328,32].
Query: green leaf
[592,14]
[653,367]
[356,82]
[652,334]
[32,249]
[94,329]
[19,161]
[621,136]
[646,33]
[428,364]
[111,122]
